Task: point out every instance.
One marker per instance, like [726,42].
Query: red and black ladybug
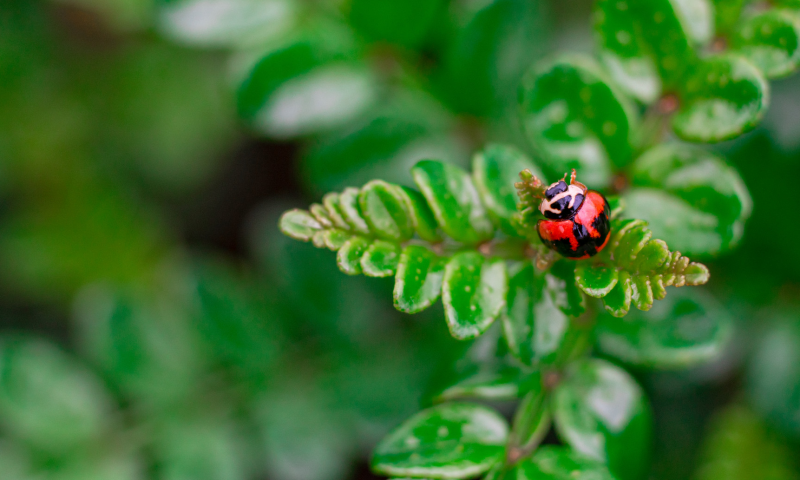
[577,224]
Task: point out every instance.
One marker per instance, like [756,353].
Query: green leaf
[421,215]
[727,13]
[771,40]
[596,280]
[454,200]
[240,23]
[380,259]
[142,341]
[576,119]
[385,212]
[403,23]
[473,292]
[644,267]
[491,46]
[773,377]
[350,210]
[686,329]
[49,400]
[566,295]
[494,171]
[504,383]
[601,412]
[349,256]
[701,203]
[454,440]
[299,224]
[647,46]
[558,463]
[533,325]
[531,421]
[418,282]
[282,93]
[723,97]
[738,446]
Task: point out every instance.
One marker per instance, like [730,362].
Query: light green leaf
[299,224]
[576,119]
[685,329]
[473,292]
[349,256]
[49,400]
[601,412]
[384,210]
[723,97]
[496,384]
[380,259]
[454,200]
[451,441]
[771,40]
[421,215]
[596,280]
[418,282]
[558,463]
[495,170]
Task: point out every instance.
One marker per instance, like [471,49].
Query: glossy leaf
[685,329]
[473,292]
[49,400]
[495,170]
[380,259]
[647,46]
[299,225]
[723,97]
[454,201]
[558,463]
[418,282]
[495,384]
[596,280]
[385,212]
[531,421]
[421,215]
[309,85]
[226,22]
[601,412]
[771,40]
[533,325]
[700,205]
[349,256]
[576,119]
[455,440]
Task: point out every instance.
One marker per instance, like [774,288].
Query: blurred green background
[155,324]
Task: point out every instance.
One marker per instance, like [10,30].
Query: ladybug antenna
[572,180]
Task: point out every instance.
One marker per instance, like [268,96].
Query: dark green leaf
[709,202]
[404,23]
[454,200]
[685,329]
[494,42]
[497,384]
[576,119]
[566,295]
[596,280]
[419,279]
[349,256]
[384,210]
[723,97]
[533,325]
[453,440]
[771,40]
[380,259]
[601,412]
[531,421]
[49,400]
[421,215]
[495,170]
[473,292]
[727,13]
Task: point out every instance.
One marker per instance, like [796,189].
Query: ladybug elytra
[576,223]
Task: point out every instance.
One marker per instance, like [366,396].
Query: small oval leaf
[418,282]
[385,211]
[348,258]
[380,259]
[473,293]
[771,40]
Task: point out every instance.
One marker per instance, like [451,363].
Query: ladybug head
[561,201]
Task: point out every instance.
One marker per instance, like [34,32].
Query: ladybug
[577,221]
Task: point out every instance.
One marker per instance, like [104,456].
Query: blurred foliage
[130,348]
